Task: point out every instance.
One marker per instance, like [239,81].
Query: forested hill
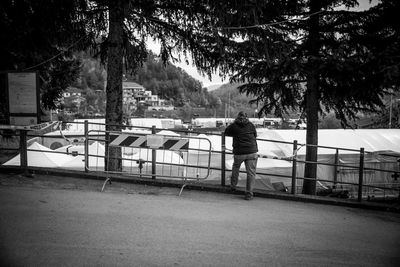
[229,94]
[174,84]
[171,83]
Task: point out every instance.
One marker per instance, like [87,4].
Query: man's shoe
[233,189]
[248,197]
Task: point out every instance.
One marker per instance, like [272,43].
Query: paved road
[70,223]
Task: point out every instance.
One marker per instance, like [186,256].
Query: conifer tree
[181,27]
[311,55]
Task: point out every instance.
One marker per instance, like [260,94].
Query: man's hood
[241,121]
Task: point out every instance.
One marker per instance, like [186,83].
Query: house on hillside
[130,93]
[72,91]
[72,100]
[135,94]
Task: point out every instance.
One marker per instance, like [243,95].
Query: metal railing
[360,169]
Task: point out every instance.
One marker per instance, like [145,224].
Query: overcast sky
[215,79]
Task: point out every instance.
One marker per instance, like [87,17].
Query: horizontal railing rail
[360,168]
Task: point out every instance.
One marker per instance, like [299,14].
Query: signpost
[19,98]
[23,98]
[20,101]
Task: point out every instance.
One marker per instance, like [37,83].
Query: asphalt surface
[60,221]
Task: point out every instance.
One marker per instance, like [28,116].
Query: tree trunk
[310,170]
[114,81]
[312,101]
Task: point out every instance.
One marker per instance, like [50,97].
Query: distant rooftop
[73,90]
[131,85]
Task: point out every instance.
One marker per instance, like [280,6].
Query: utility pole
[390,112]
[229,104]
[225,113]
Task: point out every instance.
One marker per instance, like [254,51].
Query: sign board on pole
[23,98]
[155,141]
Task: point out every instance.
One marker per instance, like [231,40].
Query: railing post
[153,156]
[361,174]
[107,148]
[23,150]
[223,156]
[86,145]
[294,167]
[336,168]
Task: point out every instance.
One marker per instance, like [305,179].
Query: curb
[208,187]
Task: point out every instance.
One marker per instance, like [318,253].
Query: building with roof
[72,91]
[131,93]
[135,94]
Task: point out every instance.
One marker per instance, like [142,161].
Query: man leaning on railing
[244,150]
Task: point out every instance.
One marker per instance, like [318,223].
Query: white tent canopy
[78,126]
[370,139]
[132,155]
[41,158]
[96,148]
[78,163]
[168,133]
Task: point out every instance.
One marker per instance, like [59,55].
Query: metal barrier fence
[356,177]
[155,155]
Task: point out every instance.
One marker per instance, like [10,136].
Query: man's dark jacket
[244,136]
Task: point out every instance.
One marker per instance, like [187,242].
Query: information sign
[23,98]
[22,92]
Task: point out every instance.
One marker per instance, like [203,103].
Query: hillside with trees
[171,83]
[183,91]
[232,101]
